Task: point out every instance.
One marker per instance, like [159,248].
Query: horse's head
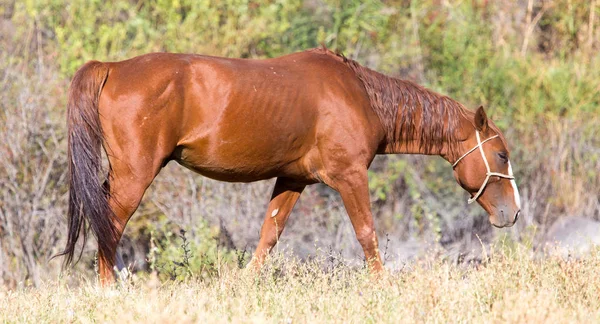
[483,169]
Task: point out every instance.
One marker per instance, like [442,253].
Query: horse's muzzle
[502,219]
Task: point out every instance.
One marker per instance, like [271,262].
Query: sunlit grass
[511,286]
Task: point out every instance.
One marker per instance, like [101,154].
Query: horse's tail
[88,197]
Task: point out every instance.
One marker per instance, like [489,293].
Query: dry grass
[512,286]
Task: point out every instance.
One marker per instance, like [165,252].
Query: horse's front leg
[353,186]
[284,197]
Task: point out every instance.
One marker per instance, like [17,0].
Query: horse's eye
[503,156]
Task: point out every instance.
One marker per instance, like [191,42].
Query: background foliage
[532,64]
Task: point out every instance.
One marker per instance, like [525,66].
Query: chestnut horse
[308,117]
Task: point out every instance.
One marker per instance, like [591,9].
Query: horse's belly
[231,174]
[233,163]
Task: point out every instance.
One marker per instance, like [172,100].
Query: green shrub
[186,254]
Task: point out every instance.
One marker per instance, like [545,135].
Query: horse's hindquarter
[236,120]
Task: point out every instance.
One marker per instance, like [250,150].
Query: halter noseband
[487,166]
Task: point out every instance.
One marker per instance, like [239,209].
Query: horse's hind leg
[284,197]
[128,180]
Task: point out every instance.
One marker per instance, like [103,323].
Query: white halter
[487,166]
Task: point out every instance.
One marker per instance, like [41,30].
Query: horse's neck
[415,120]
[435,134]
[414,146]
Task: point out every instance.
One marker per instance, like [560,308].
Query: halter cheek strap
[487,166]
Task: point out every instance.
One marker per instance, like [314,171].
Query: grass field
[511,286]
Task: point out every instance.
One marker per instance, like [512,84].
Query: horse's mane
[398,104]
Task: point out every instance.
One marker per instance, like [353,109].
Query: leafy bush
[196,254]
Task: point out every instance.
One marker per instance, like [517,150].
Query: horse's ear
[481,121]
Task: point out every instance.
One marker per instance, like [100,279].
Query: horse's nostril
[517,216]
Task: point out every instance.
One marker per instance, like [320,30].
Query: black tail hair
[88,198]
